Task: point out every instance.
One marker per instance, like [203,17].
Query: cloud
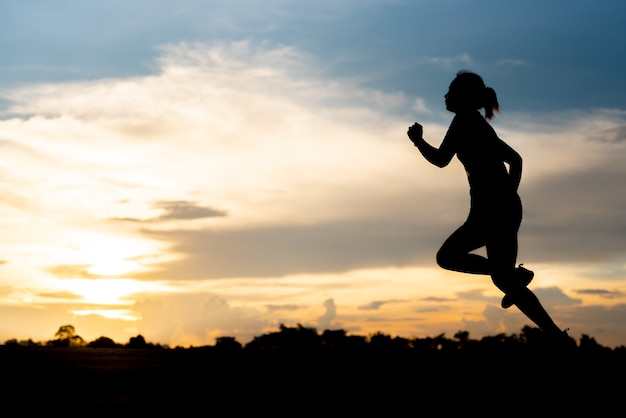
[475,295]
[420,106]
[73,271]
[450,63]
[62,295]
[577,215]
[246,127]
[372,306]
[186,210]
[573,186]
[281,250]
[611,135]
[197,319]
[179,210]
[554,296]
[433,309]
[603,293]
[375,305]
[327,320]
[605,323]
[436,299]
[274,308]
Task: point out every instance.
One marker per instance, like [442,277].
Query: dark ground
[179,382]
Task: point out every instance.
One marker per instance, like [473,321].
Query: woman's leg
[500,240]
[455,253]
[529,304]
[502,254]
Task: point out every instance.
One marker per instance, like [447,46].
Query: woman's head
[468,92]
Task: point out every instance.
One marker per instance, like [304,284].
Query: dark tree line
[304,339]
[66,337]
[301,365]
[301,339]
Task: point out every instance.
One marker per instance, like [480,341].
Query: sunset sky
[194,169]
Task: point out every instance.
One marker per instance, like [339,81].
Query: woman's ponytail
[490,103]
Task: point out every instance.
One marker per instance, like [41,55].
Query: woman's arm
[440,157]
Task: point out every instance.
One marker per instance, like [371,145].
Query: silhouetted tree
[501,343]
[464,343]
[339,340]
[103,342]
[462,336]
[532,336]
[65,332]
[23,343]
[140,342]
[227,345]
[434,344]
[66,337]
[299,338]
[387,343]
[590,345]
[137,342]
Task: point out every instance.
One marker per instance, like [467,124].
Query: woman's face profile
[451,97]
[450,100]
[454,98]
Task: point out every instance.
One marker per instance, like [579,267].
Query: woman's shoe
[523,276]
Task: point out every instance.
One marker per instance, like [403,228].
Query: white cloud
[327,321]
[420,106]
[452,62]
[239,127]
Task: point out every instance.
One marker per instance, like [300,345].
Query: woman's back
[480,151]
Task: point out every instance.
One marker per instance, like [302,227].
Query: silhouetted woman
[496,210]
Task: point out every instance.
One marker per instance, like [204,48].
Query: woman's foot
[562,341]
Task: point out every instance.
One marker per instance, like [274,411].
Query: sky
[195,169]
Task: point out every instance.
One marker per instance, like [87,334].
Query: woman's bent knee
[444,260]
